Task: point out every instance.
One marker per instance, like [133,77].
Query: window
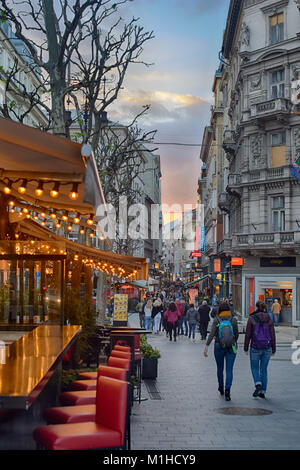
[276,28]
[278,214]
[278,139]
[277,84]
[278,149]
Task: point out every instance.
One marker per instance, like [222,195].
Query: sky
[178,86]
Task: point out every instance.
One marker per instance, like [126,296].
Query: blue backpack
[261,338]
[226,334]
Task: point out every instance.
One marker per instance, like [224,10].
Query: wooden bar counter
[30,363]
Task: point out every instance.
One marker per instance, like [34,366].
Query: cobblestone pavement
[185,411]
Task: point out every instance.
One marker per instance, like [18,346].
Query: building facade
[261,50]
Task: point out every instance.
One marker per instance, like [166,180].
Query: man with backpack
[225,331]
[260,335]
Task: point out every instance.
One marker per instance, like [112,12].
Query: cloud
[178,118]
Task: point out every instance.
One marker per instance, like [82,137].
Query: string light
[7,188]
[77,219]
[81,231]
[58,225]
[65,216]
[53,215]
[39,190]
[74,192]
[55,190]
[22,188]
[70,227]
[90,221]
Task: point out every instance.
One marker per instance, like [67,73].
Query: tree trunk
[58,118]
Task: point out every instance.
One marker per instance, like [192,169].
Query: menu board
[120,317]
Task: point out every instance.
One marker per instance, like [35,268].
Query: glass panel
[273,20]
[281,90]
[30,289]
[280,18]
[275,221]
[298,301]
[274,92]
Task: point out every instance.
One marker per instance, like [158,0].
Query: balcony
[267,109]
[266,241]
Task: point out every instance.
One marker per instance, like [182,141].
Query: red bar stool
[118,347]
[82,413]
[88,397]
[122,354]
[115,363]
[114,372]
[108,430]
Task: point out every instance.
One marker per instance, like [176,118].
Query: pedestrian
[276,309]
[260,334]
[193,319]
[148,314]
[171,315]
[225,331]
[214,310]
[139,308]
[157,310]
[184,319]
[180,309]
[204,310]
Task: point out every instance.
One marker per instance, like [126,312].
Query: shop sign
[120,315]
[237,261]
[196,254]
[217,265]
[287,262]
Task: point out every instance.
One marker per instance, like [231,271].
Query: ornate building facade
[261,51]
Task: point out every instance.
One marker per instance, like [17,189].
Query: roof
[27,152]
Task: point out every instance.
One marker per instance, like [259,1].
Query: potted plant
[150,360]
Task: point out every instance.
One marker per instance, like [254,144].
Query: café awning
[131,264]
[31,155]
[196,280]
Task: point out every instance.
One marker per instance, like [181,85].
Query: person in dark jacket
[222,354]
[204,310]
[214,310]
[192,316]
[260,357]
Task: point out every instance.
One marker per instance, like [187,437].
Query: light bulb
[55,190]
[39,190]
[74,192]
[22,187]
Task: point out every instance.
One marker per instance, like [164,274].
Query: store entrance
[285,299]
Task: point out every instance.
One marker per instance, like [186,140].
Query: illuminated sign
[217,265]
[196,254]
[237,261]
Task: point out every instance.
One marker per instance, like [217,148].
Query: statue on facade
[245,36]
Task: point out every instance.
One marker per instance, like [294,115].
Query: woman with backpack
[225,331]
[260,335]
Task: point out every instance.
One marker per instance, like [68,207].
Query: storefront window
[31,284]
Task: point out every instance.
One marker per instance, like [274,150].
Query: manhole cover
[243,411]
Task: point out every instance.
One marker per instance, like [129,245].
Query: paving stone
[187,383]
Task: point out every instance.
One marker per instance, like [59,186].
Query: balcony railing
[266,108]
[270,238]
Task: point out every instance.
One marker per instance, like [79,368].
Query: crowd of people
[172,312]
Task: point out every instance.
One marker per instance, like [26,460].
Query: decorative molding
[274,7]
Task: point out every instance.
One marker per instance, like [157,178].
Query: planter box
[149,368]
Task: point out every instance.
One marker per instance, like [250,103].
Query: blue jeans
[227,355]
[259,360]
[192,331]
[148,323]
[183,321]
